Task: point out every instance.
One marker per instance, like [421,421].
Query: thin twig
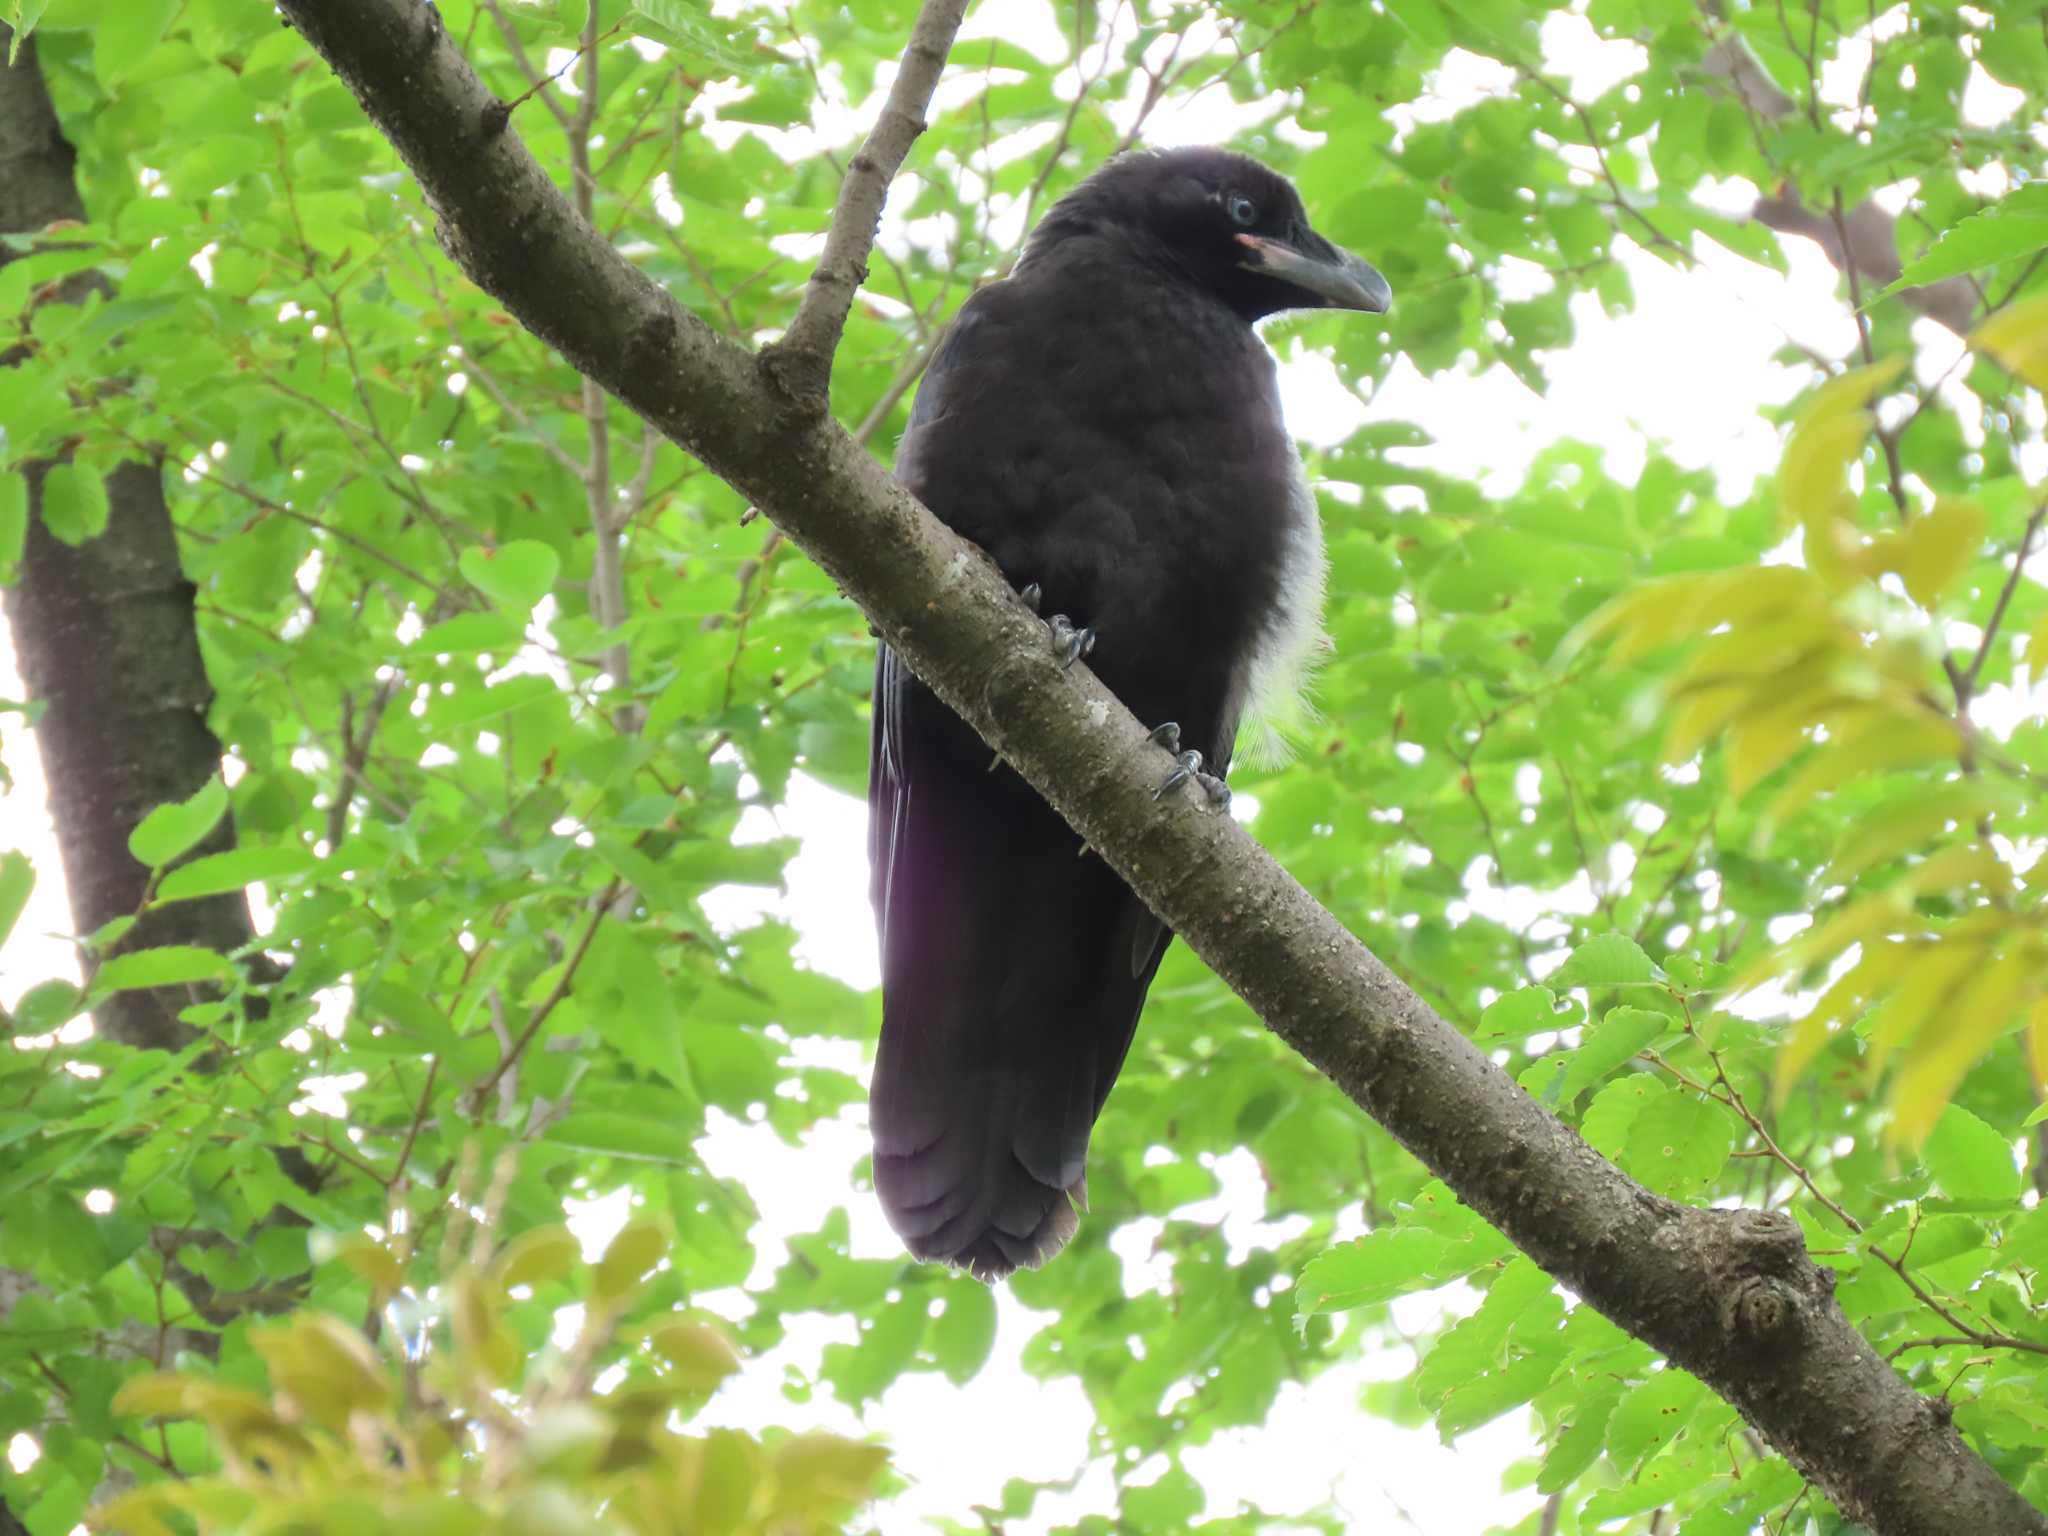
[547,1005]
[801,362]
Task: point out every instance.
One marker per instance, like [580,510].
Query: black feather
[1104,423]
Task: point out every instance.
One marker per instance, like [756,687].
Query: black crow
[1105,424]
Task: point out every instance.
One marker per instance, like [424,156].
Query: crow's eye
[1242,210]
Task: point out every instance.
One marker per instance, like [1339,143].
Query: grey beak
[1334,278]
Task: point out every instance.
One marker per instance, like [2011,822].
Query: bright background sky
[1687,369]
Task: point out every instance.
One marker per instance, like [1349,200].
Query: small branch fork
[800,364]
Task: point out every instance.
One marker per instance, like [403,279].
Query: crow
[1105,424]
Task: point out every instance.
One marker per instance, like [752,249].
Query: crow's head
[1222,221]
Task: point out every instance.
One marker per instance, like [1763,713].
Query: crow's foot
[1187,765]
[1068,643]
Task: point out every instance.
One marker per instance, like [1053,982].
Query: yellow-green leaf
[1917,817]
[2018,338]
[1984,1009]
[631,1258]
[536,1256]
[698,1354]
[1939,547]
[325,1369]
[1828,434]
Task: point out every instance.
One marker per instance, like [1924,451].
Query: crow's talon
[1033,595]
[1068,643]
[1167,736]
[1186,765]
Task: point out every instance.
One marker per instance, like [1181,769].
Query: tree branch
[801,362]
[1729,1295]
[1861,242]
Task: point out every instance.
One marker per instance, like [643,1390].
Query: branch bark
[1864,241]
[108,642]
[1729,1295]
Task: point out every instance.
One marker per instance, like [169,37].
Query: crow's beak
[1333,278]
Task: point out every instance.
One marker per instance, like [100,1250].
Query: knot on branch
[1770,1278]
[800,376]
[1761,1312]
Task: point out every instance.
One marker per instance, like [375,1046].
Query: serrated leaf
[1376,1267]
[233,870]
[1970,1160]
[1650,1417]
[1518,1015]
[691,29]
[1981,240]
[1606,960]
[1615,1108]
[74,504]
[1680,1150]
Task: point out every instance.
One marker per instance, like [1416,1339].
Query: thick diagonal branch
[1729,1295]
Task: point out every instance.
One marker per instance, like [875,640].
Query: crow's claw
[1068,643]
[1167,736]
[1033,595]
[1188,765]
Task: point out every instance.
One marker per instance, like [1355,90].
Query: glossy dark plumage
[1104,423]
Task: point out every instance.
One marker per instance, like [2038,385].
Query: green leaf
[515,575]
[1982,240]
[622,1135]
[13,522]
[1650,1417]
[1682,1148]
[1970,1160]
[74,504]
[1611,1043]
[1518,1015]
[1376,1267]
[174,828]
[120,47]
[692,29]
[964,1332]
[169,965]
[17,880]
[1606,960]
[233,870]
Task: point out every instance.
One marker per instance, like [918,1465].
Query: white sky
[1687,369]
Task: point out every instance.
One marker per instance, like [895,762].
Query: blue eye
[1242,210]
